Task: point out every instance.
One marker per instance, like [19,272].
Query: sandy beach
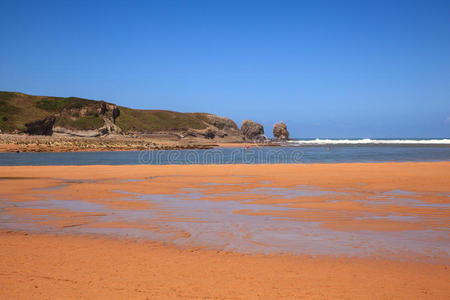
[225,150]
[360,230]
[55,267]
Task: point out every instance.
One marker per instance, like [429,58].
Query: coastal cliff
[42,115]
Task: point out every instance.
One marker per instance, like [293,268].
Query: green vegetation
[210,119]
[8,109]
[83,123]
[52,104]
[154,120]
[201,116]
[78,103]
[17,109]
[5,96]
[8,112]
[55,104]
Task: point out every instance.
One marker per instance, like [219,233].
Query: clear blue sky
[327,68]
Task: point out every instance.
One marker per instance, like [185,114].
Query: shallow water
[260,155]
[193,217]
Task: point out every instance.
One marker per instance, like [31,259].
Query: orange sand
[66,266]
[360,181]
[62,267]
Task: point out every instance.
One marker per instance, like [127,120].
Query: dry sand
[69,264]
[62,267]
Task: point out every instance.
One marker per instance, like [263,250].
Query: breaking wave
[372,141]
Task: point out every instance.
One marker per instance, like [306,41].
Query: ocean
[295,151]
[392,141]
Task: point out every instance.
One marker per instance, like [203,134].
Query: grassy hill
[18,109]
[131,120]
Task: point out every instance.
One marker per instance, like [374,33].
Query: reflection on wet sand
[254,212]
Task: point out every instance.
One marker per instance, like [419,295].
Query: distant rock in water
[280,131]
[252,131]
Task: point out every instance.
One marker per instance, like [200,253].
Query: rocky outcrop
[62,131]
[280,131]
[105,113]
[217,127]
[208,133]
[109,113]
[252,131]
[222,123]
[111,109]
[41,127]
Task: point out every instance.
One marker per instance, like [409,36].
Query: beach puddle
[405,198]
[391,218]
[52,188]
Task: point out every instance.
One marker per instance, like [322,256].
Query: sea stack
[252,131]
[280,131]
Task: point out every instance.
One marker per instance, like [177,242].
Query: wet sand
[230,231]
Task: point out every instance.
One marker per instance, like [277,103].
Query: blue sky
[327,68]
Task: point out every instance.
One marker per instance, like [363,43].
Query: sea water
[296,151]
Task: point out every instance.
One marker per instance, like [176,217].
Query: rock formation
[41,127]
[252,131]
[222,123]
[280,131]
[216,127]
[106,113]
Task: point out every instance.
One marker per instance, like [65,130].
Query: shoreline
[11,143]
[16,143]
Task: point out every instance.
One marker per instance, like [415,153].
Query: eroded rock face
[106,111]
[109,110]
[61,131]
[217,127]
[41,127]
[280,131]
[252,131]
[222,123]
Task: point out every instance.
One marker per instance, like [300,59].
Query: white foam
[371,141]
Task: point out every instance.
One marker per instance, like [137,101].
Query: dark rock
[188,133]
[252,131]
[280,131]
[209,134]
[115,112]
[41,127]
[109,110]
